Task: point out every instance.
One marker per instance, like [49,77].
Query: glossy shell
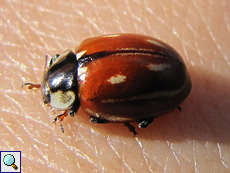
[128,77]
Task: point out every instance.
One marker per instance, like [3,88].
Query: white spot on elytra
[158,67]
[116,79]
[82,73]
[156,43]
[80,54]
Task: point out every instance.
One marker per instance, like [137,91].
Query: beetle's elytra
[119,78]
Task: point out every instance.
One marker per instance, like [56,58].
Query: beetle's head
[59,86]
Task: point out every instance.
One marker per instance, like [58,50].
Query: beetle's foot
[74,109]
[131,128]
[96,120]
[93,120]
[72,113]
[31,86]
[60,118]
[145,123]
[179,108]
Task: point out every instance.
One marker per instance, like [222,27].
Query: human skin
[195,140]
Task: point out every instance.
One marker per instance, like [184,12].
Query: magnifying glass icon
[9,160]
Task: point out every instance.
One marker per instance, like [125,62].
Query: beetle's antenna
[31,85]
[45,64]
[62,128]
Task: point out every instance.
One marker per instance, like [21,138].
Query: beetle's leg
[131,128]
[179,108]
[72,113]
[74,108]
[96,120]
[61,118]
[31,86]
[145,123]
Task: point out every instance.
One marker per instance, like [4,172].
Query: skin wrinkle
[33,139]
[86,143]
[174,154]
[144,154]
[205,22]
[109,6]
[92,21]
[113,149]
[134,16]
[38,122]
[141,147]
[67,27]
[186,53]
[166,165]
[221,157]
[82,14]
[76,151]
[227,27]
[95,146]
[194,157]
[27,117]
[37,149]
[19,17]
[12,132]
[148,164]
[92,147]
[146,158]
[125,164]
[45,157]
[60,140]
[42,11]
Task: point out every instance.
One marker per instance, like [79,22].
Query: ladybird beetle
[119,78]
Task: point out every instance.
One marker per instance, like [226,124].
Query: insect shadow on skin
[118,78]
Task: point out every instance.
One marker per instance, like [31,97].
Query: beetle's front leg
[61,118]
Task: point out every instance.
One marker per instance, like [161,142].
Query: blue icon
[9,160]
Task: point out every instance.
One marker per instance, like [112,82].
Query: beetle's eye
[46,98]
[45,94]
